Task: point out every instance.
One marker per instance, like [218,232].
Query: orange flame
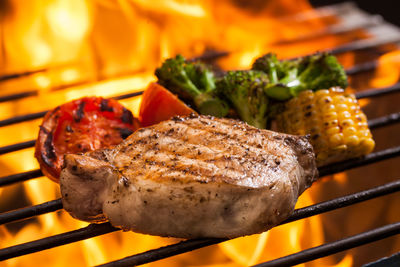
[388,71]
[120,43]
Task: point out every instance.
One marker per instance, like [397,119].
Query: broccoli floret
[245,91]
[193,82]
[289,77]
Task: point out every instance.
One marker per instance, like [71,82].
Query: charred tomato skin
[79,126]
[159,104]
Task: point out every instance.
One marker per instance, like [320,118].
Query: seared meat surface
[191,177]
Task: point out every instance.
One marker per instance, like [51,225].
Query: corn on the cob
[337,127]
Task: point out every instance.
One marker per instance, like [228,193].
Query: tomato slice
[159,104]
[79,126]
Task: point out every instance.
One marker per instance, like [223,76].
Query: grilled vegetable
[245,91]
[288,78]
[78,126]
[193,82]
[334,120]
[158,104]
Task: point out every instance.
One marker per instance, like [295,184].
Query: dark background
[388,9]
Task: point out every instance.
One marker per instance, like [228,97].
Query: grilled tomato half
[79,126]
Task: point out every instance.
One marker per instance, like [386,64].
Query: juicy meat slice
[191,177]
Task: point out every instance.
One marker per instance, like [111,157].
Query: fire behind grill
[189,245]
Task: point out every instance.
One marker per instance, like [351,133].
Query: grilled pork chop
[191,177]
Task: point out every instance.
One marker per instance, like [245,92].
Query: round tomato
[79,126]
[158,104]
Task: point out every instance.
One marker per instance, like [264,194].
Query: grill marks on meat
[191,177]
[190,151]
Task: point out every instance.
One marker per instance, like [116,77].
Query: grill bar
[374,21]
[17,96]
[344,201]
[18,75]
[363,67]
[17,146]
[298,214]
[361,45]
[384,121]
[20,177]
[359,95]
[163,252]
[335,247]
[38,115]
[89,231]
[354,163]
[125,96]
[31,211]
[368,66]
[22,118]
[208,56]
[379,91]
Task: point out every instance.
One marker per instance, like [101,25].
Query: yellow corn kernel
[346,123]
[324,100]
[330,116]
[328,108]
[305,97]
[362,125]
[332,131]
[336,139]
[348,131]
[367,146]
[321,93]
[336,90]
[342,107]
[339,99]
[350,100]
[344,115]
[360,117]
[352,140]
[364,133]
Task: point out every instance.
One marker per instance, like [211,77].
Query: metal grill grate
[189,245]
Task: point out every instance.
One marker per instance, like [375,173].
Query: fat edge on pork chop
[191,177]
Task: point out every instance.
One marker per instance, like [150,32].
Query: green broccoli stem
[189,88]
[209,104]
[245,113]
[285,88]
[279,92]
[207,80]
[290,78]
[272,74]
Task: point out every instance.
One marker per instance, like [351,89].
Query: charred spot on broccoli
[193,82]
[245,91]
[290,77]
